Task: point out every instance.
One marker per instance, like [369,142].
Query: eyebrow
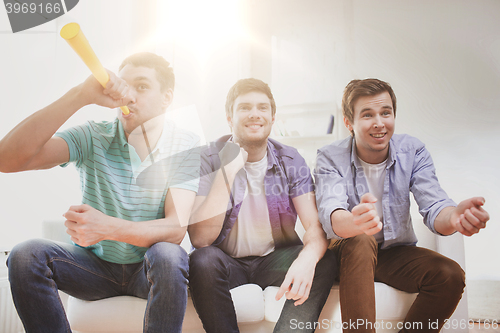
[142,78]
[385,107]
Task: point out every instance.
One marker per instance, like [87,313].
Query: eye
[263,107]
[142,87]
[366,115]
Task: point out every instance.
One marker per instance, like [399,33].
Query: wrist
[115,227]
[79,97]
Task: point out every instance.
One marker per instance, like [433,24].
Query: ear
[168,97]
[347,124]
[230,121]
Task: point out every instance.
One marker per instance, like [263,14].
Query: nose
[133,96]
[378,122]
[254,113]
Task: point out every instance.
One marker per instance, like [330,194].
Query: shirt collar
[271,150]
[355,159]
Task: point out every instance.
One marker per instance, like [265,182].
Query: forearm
[343,224]
[23,142]
[207,219]
[315,243]
[442,223]
[146,233]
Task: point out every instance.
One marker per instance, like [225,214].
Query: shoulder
[338,152]
[281,150]
[180,136]
[404,143]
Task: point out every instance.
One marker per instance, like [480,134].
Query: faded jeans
[38,268]
[214,273]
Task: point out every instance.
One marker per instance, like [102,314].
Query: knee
[26,257]
[165,256]
[25,253]
[205,258]
[449,274]
[360,246]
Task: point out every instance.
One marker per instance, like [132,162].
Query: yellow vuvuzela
[72,33]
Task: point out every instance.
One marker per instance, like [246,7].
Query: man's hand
[298,280]
[365,215]
[116,93]
[232,157]
[87,226]
[469,216]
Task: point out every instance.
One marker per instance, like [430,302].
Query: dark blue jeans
[38,268]
[213,273]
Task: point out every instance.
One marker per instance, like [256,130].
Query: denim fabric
[213,273]
[38,268]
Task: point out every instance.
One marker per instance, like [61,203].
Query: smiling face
[150,100]
[373,126]
[251,119]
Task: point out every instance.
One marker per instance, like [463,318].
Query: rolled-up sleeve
[301,181]
[331,192]
[424,185]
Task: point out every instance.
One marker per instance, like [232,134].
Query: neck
[374,157]
[256,150]
[144,139]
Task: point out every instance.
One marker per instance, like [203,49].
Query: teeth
[378,135]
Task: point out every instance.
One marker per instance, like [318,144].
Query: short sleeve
[207,172]
[299,175]
[188,172]
[79,140]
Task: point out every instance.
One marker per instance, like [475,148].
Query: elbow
[179,236]
[197,241]
[6,168]
[200,244]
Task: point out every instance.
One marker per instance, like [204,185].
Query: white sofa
[256,309]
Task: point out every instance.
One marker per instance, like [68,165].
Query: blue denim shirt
[287,177]
[340,183]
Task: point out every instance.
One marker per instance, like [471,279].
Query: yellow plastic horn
[72,33]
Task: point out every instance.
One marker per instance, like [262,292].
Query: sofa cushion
[125,313]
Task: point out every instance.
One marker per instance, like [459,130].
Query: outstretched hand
[469,216]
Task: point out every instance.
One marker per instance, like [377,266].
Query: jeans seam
[81,267]
[56,291]
[150,294]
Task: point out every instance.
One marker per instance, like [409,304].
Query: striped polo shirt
[116,182]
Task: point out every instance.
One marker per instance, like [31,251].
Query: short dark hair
[244,86]
[164,72]
[359,88]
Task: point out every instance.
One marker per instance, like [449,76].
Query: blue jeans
[213,273]
[38,268]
